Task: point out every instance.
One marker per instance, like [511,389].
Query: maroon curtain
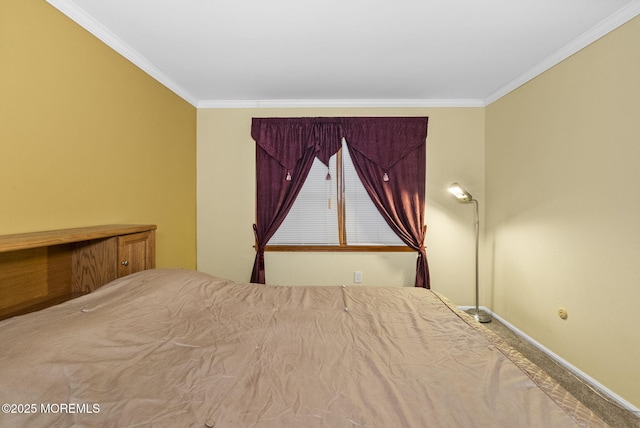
[285,150]
[388,154]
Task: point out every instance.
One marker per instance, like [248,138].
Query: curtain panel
[389,157]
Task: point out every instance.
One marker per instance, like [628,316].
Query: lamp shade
[456,190]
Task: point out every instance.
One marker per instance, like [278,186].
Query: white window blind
[313,219]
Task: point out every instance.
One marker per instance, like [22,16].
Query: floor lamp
[463,196]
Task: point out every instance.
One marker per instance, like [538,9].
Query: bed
[179,348]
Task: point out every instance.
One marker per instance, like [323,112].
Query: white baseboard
[579,373]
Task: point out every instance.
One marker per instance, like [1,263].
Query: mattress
[178,348]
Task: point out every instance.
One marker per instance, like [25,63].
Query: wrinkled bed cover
[180,348]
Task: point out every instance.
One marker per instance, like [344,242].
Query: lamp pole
[463,196]
[479,315]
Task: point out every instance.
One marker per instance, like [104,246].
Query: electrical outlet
[357,277]
[562,313]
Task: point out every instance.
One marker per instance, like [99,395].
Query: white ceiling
[225,53]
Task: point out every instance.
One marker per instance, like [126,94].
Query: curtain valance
[383,140]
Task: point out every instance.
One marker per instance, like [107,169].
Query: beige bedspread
[173,348]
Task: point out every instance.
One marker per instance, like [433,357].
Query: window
[324,216]
[389,157]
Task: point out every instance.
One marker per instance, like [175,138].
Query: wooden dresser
[41,269]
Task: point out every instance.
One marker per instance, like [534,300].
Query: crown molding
[341,103]
[614,21]
[82,18]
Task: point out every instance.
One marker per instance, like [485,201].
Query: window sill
[346,248]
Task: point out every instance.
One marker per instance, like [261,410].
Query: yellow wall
[87,138]
[226,204]
[563,218]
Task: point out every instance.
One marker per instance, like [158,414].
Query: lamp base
[479,315]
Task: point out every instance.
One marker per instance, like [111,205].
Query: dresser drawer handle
[125,263]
